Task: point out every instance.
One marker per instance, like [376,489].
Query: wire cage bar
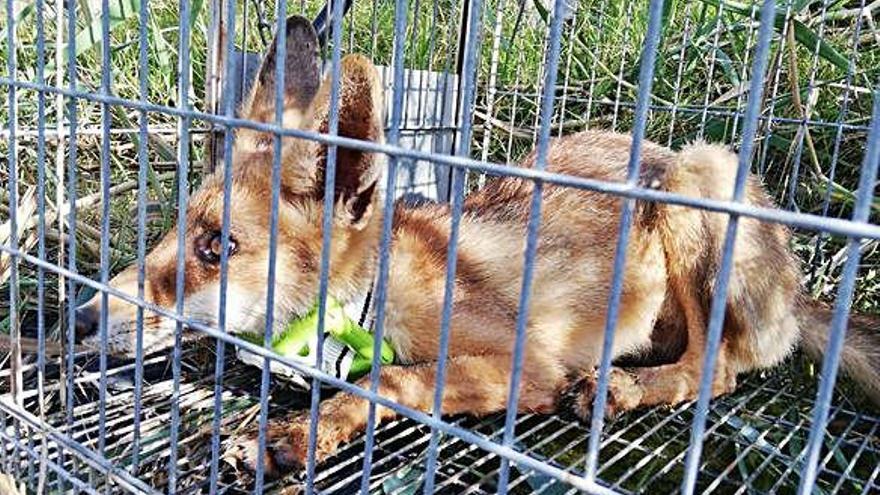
[141,102]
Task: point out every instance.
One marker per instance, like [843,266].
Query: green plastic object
[293,342]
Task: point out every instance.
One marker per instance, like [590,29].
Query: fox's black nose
[86,322]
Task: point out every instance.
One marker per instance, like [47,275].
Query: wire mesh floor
[754,442]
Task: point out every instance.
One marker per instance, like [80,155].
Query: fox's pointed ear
[361,116]
[302,76]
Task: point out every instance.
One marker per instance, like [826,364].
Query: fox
[673,259]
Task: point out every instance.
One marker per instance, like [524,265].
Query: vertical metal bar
[682,56]
[400,18]
[280,65]
[719,297]
[777,76]
[15,376]
[213,62]
[105,220]
[4,456]
[326,237]
[646,80]
[71,214]
[41,240]
[536,123]
[475,180]
[492,90]
[434,87]
[522,319]
[243,70]
[444,100]
[351,32]
[183,86]
[463,33]
[466,103]
[30,457]
[737,114]
[861,213]
[59,199]
[228,95]
[574,33]
[374,27]
[423,74]
[143,164]
[413,63]
[596,56]
[620,78]
[15,385]
[704,115]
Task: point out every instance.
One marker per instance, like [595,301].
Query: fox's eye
[210,244]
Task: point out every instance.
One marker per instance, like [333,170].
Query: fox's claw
[624,394]
[285,453]
[577,398]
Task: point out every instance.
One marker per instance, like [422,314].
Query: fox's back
[578,237]
[573,266]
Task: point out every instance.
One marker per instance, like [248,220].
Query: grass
[698,91]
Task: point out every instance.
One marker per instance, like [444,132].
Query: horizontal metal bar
[428,420]
[715,111]
[801,220]
[83,378]
[120,476]
[54,133]
[64,473]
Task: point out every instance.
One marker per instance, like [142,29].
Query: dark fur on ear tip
[302,71]
[303,58]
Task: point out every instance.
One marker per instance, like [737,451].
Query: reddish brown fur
[673,256]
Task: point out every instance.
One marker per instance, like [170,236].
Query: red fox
[672,260]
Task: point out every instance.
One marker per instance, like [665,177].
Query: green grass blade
[807,37]
[727,65]
[194,14]
[22,15]
[802,33]
[730,6]
[90,36]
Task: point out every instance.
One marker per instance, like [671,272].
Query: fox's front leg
[476,385]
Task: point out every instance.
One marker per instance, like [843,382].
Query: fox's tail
[860,357]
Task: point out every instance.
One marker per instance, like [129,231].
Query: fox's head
[306,107]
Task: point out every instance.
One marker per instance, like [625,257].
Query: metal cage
[114,114]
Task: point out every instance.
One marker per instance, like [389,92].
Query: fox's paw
[286,448]
[624,394]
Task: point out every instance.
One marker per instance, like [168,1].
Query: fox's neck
[357,261]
